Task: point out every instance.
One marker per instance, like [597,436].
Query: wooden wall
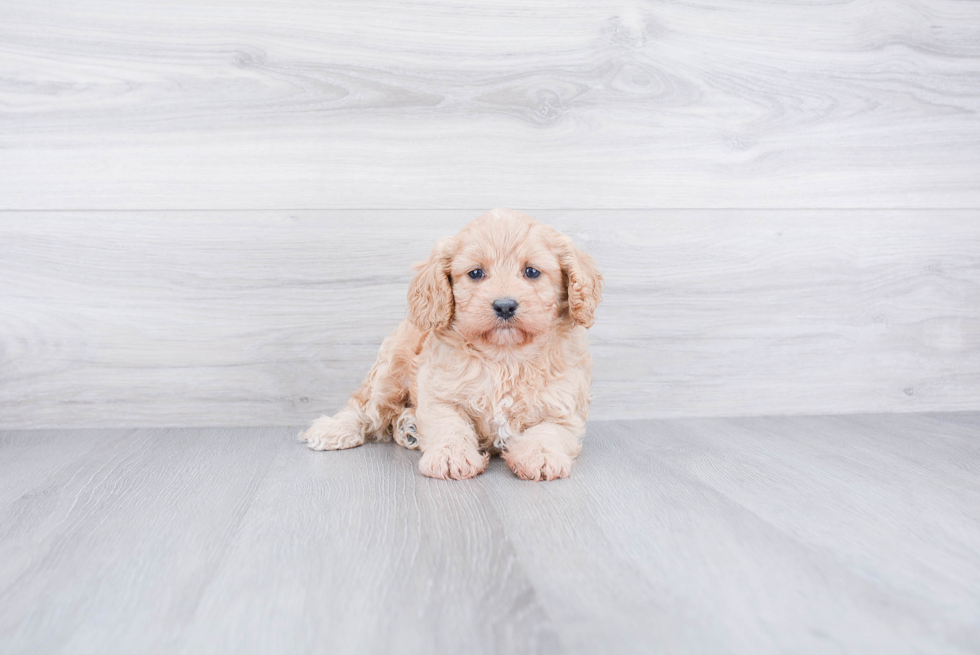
[208,209]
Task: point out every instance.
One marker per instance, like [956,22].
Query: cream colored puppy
[492,358]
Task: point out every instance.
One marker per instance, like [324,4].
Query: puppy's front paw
[453,462]
[536,462]
[333,433]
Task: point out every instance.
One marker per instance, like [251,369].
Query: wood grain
[854,534]
[796,534]
[264,318]
[369,556]
[573,104]
[146,510]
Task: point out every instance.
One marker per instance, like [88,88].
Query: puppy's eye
[531,272]
[476,274]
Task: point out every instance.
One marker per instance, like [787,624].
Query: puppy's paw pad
[538,465]
[453,463]
[327,433]
[406,433]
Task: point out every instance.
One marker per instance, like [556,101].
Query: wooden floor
[806,534]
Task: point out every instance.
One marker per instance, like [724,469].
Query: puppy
[492,358]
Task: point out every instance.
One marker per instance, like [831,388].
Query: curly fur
[459,383]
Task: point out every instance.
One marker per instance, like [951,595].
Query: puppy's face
[507,283]
[504,280]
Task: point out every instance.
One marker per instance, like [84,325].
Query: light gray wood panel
[129,551]
[725,103]
[797,534]
[28,462]
[118,546]
[853,534]
[263,318]
[361,554]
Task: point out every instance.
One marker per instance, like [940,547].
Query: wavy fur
[460,383]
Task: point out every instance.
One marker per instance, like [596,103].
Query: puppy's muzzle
[505,308]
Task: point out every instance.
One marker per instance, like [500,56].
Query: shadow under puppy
[491,359]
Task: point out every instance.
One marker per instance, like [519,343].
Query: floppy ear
[430,295]
[584,281]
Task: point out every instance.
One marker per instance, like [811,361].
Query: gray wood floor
[820,534]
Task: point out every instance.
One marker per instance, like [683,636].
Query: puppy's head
[504,280]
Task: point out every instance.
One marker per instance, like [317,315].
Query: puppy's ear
[430,295]
[584,280]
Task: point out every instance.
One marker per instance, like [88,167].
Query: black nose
[505,307]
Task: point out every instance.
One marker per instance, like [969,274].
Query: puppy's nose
[505,307]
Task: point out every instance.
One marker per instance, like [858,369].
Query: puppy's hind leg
[367,416]
[405,432]
[345,429]
[373,410]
